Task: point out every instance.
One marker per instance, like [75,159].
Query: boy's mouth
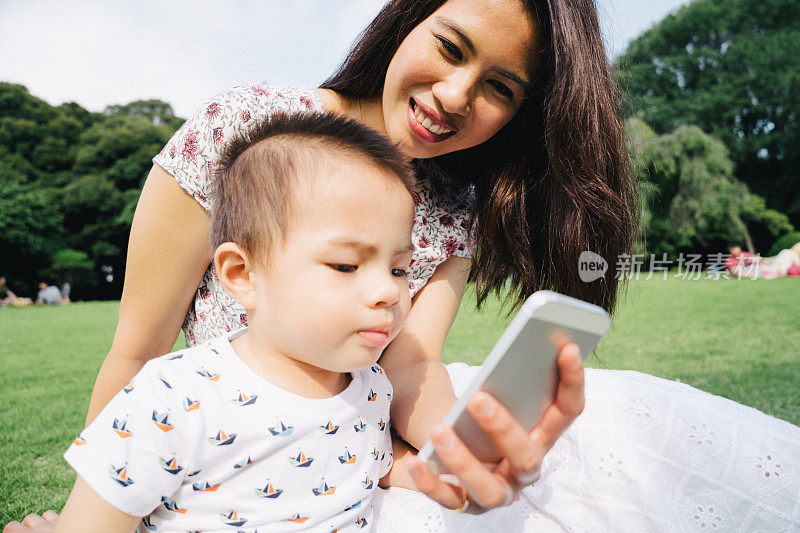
[376,336]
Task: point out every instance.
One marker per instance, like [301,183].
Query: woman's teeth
[427,123]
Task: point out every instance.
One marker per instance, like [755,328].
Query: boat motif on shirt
[348,458]
[367,483]
[205,486]
[208,375]
[376,369]
[382,424]
[243,463]
[120,474]
[170,465]
[232,519]
[360,427]
[170,505]
[79,441]
[354,506]
[371,396]
[324,489]
[374,453]
[280,430]
[190,405]
[128,388]
[269,491]
[163,380]
[148,525]
[121,427]
[329,428]
[361,522]
[222,438]
[243,399]
[301,461]
[161,420]
[297,519]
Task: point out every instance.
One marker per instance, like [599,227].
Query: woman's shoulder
[191,154]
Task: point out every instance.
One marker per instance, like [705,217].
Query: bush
[787,241]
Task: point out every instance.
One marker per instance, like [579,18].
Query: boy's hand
[33,523]
[489,487]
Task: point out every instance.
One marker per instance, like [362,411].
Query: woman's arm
[413,361]
[168,253]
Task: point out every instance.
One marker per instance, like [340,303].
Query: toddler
[283,425]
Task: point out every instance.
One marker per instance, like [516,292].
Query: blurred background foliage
[711,96]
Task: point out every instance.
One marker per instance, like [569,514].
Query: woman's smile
[428,125]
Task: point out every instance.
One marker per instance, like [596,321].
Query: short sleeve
[133,453]
[192,153]
[383,388]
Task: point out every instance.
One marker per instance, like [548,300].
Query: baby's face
[336,292]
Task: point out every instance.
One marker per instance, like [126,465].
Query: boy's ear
[235,273]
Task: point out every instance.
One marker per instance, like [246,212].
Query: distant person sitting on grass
[321,273]
[746,265]
[6,296]
[48,295]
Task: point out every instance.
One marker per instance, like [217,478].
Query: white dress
[647,454]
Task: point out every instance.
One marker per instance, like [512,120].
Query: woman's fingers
[509,437]
[569,400]
[445,494]
[486,488]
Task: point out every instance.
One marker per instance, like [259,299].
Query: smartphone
[521,370]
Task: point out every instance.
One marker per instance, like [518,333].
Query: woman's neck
[366,110]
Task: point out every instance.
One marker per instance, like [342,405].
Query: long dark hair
[555,181]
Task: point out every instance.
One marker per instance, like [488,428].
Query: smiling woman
[509,112]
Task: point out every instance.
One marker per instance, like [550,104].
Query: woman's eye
[344,268]
[502,89]
[399,272]
[450,48]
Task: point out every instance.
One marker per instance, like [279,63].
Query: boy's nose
[385,292]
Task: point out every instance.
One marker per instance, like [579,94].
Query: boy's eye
[502,89]
[450,48]
[344,268]
[399,272]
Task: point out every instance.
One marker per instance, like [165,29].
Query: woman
[516,98]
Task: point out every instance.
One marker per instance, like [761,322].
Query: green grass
[739,339]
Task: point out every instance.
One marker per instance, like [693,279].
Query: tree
[732,67]
[691,197]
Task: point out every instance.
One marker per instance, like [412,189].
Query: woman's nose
[455,93]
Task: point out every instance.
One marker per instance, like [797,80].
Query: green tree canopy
[732,67]
[690,196]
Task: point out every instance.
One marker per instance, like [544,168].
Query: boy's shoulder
[192,365]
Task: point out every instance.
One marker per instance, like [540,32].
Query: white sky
[103,52]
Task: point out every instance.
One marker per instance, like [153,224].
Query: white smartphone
[521,370]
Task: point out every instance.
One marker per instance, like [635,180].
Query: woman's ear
[235,270]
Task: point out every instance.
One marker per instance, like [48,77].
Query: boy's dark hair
[254,181]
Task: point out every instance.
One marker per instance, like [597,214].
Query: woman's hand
[523,450]
[33,523]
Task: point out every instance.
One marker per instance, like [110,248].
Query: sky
[104,52]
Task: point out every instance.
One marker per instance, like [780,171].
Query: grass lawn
[738,339]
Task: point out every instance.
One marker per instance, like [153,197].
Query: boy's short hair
[257,173]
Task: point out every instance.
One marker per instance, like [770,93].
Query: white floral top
[441,223]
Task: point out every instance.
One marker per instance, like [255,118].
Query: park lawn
[736,338]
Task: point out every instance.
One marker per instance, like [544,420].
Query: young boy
[282,426]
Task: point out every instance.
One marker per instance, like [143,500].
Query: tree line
[711,96]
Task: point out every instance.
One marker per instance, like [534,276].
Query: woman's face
[459,76]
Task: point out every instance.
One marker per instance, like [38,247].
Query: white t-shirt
[198,441]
